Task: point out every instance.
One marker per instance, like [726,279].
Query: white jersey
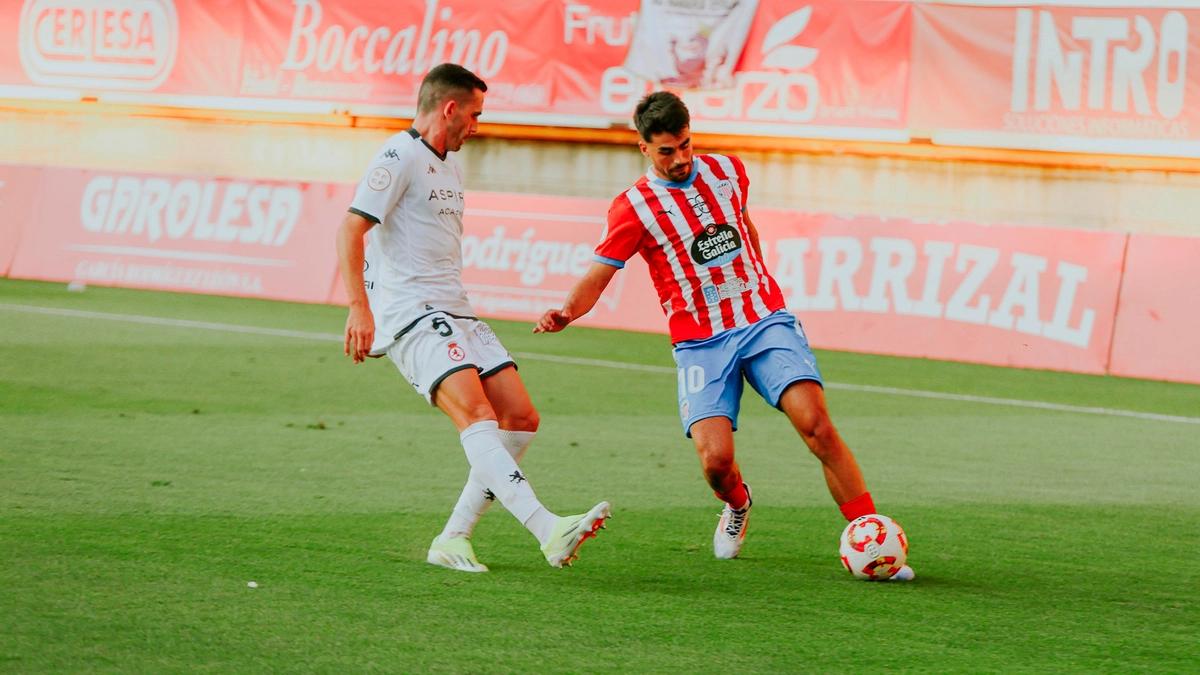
[414,252]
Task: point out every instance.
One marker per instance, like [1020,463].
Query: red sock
[859,506]
[736,498]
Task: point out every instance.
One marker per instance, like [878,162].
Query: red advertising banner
[1057,77]
[19,190]
[1158,322]
[362,53]
[1029,297]
[1004,295]
[1012,296]
[265,239]
[62,48]
[1083,79]
[827,69]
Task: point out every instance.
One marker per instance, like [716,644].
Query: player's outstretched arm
[580,300]
[360,325]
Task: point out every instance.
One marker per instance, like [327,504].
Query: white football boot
[731,529]
[454,553]
[571,531]
[905,573]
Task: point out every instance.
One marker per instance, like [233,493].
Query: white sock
[476,498]
[496,470]
[541,523]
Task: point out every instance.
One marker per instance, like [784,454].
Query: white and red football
[873,547]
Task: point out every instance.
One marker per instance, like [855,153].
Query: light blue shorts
[770,355]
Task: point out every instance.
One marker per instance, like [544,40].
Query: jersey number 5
[442,327]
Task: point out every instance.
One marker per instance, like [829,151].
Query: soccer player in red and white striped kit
[687,217]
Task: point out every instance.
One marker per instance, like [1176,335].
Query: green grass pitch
[150,470]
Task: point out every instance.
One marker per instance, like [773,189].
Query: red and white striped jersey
[694,238]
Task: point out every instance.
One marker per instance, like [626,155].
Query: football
[873,547]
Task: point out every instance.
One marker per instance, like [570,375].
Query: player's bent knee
[474,412]
[525,420]
[717,466]
[809,423]
[822,438]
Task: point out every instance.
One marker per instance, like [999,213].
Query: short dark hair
[446,81]
[660,112]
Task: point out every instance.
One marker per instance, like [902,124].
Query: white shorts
[440,344]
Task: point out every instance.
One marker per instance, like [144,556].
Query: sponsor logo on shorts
[485,333]
[455,352]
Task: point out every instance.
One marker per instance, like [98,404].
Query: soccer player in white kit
[407,302]
[688,218]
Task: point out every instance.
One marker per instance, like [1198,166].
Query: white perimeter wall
[1159,202]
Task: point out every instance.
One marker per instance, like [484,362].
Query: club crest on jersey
[716,245]
[724,189]
[379,179]
[455,352]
